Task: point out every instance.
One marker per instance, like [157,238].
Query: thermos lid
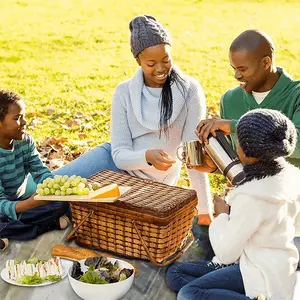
[238,179]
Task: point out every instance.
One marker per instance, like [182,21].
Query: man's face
[12,127]
[156,63]
[249,70]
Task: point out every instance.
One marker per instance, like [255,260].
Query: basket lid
[146,196]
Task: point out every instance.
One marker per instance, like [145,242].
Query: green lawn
[68,55]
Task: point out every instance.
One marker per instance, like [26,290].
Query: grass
[69,55]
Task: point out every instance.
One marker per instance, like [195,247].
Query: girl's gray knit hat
[146,31]
[266,134]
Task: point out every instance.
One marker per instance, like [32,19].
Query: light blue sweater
[135,129]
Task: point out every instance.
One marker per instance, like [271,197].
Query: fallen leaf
[78,121]
[78,115]
[50,111]
[55,163]
[33,114]
[56,155]
[82,136]
[88,125]
[33,123]
[69,123]
[65,127]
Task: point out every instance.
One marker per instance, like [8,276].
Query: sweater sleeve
[296,121]
[229,234]
[196,111]
[7,207]
[223,116]
[35,166]
[123,154]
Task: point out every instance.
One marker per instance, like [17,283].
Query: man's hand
[220,206]
[159,159]
[205,127]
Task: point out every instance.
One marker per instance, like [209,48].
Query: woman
[255,240]
[152,114]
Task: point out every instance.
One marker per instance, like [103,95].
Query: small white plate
[65,267]
[83,198]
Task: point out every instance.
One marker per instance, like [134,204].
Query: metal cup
[193,153]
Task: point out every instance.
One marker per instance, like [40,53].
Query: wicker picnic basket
[151,221]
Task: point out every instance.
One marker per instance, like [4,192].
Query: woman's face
[156,63]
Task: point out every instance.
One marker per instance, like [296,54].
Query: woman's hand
[220,206]
[159,159]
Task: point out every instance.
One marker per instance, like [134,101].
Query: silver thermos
[225,158]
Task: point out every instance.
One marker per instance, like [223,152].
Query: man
[262,85]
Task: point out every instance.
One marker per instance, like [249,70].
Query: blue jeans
[205,280]
[33,222]
[91,162]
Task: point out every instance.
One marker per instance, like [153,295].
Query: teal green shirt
[284,96]
[15,165]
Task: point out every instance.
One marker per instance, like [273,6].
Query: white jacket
[260,231]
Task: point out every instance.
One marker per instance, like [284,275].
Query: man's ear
[138,61]
[267,62]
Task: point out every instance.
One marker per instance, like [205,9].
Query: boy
[22,217]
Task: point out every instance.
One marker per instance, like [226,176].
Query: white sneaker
[3,243]
[64,222]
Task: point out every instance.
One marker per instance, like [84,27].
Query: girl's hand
[220,206]
[159,159]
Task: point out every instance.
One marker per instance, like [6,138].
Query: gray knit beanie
[146,31]
[266,134]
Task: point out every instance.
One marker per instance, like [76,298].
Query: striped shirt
[15,165]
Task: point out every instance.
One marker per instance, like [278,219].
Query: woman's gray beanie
[146,31]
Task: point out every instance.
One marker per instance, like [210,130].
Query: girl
[152,114]
[258,233]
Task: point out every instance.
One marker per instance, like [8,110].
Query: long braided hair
[166,100]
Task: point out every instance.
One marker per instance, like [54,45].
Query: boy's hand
[42,202]
[30,203]
[159,159]
[220,206]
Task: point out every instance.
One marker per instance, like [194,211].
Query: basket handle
[170,259]
[73,231]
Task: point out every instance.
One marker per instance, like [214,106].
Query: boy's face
[12,127]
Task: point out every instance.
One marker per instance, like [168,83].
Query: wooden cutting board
[83,198]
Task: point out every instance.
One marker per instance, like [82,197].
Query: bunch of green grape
[65,186]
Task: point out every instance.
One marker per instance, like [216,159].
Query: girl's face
[12,127]
[156,63]
[245,160]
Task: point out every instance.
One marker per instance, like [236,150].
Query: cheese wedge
[108,191]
